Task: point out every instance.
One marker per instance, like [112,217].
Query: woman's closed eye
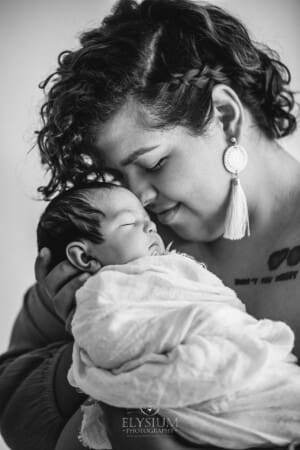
[156,167]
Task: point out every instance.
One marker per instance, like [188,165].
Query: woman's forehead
[124,133]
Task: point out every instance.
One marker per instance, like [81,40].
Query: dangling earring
[237,218]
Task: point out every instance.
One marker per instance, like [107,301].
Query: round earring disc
[235,159]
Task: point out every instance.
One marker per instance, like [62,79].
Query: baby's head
[95,225]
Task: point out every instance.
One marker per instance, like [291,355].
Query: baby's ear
[77,255]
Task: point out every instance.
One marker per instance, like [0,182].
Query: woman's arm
[36,400]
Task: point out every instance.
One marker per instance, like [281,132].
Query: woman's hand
[68,439]
[57,286]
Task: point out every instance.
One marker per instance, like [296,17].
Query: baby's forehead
[113,201]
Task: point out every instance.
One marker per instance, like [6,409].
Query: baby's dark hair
[70,217]
[136,53]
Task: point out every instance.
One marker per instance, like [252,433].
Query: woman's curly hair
[137,52]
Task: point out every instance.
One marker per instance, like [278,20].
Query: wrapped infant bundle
[164,332]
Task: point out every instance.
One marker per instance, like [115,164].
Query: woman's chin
[196,234]
[189,227]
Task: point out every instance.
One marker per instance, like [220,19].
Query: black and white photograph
[150,225]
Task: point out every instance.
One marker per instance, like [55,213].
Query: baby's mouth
[155,249]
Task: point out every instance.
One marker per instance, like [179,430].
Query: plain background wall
[33,32]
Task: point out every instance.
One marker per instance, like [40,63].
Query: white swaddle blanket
[164,332]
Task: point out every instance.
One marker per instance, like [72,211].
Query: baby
[96,225]
[154,328]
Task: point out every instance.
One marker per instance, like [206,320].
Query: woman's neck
[272,185]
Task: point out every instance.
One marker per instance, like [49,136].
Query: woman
[176,100]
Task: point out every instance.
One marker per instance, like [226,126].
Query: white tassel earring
[237,217]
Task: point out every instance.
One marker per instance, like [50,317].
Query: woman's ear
[228,110]
[77,254]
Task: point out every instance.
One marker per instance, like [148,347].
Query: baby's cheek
[134,248]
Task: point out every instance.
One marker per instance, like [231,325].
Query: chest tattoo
[290,256]
[285,259]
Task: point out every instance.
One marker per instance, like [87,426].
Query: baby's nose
[150,226]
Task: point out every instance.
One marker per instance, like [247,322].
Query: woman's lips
[168,215]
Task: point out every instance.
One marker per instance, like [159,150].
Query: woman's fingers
[59,276]
[42,263]
[58,285]
[64,300]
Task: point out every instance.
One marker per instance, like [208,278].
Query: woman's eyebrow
[134,155]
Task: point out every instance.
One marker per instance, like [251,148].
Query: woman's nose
[148,197]
[145,192]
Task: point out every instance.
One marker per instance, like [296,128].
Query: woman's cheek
[170,186]
[175,180]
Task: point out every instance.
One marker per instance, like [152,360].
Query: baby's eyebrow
[134,155]
[119,214]
[136,215]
